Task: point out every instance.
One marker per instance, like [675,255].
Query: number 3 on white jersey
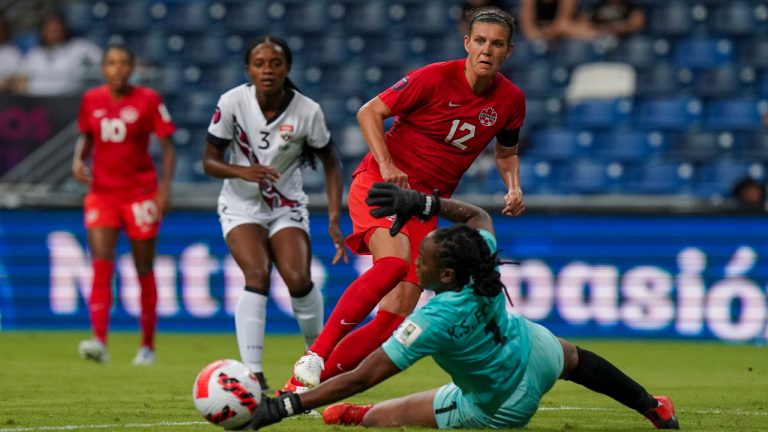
[113,130]
[470,128]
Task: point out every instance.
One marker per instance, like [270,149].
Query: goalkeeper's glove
[272,411]
[403,203]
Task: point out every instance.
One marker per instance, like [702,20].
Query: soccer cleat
[93,349]
[145,356]
[291,387]
[345,414]
[263,383]
[308,368]
[663,416]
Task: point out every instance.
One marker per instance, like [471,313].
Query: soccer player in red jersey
[115,122]
[447,113]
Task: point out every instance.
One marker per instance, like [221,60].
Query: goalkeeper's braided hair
[464,250]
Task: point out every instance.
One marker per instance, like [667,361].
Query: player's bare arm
[371,118]
[163,197]
[508,165]
[214,165]
[80,168]
[333,188]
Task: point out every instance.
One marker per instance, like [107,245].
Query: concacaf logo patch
[408,332]
[400,84]
[286,132]
[217,115]
[488,116]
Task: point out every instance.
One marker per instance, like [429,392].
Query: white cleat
[308,369]
[93,349]
[145,356]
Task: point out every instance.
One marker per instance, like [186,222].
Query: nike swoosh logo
[453,105]
[338,366]
[345,322]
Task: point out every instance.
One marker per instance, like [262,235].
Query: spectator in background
[115,122]
[546,20]
[749,195]
[608,18]
[60,65]
[10,56]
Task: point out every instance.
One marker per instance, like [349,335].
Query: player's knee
[256,277]
[298,285]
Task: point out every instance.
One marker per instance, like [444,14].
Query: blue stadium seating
[672,19]
[572,52]
[734,115]
[734,18]
[559,144]
[309,17]
[79,17]
[661,177]
[754,52]
[703,53]
[128,17]
[541,113]
[430,16]
[586,176]
[247,17]
[367,17]
[659,80]
[187,17]
[718,178]
[534,79]
[629,145]
[599,114]
[721,82]
[636,50]
[696,146]
[762,85]
[754,147]
[676,113]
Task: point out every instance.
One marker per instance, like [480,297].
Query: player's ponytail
[464,250]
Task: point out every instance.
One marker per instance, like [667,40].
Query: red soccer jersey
[120,132]
[442,126]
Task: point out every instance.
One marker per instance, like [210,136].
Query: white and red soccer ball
[226,393]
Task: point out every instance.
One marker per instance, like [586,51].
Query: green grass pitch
[44,386]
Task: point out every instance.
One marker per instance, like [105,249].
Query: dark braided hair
[464,250]
[491,14]
[308,154]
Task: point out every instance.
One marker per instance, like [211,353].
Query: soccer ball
[226,393]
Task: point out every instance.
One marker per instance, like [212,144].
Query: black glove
[272,411]
[403,203]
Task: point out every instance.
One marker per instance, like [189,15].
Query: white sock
[250,318]
[308,311]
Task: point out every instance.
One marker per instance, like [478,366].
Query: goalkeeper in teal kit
[501,364]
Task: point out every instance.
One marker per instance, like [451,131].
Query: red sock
[148,318]
[101,297]
[363,341]
[358,301]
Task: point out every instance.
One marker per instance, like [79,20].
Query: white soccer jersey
[238,119]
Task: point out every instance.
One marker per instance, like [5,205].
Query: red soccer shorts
[136,213]
[363,224]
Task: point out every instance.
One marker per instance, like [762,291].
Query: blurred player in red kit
[115,121]
[447,113]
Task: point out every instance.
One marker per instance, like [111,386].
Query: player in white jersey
[271,130]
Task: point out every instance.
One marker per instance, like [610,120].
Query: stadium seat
[675,113]
[150,45]
[661,178]
[599,114]
[187,17]
[718,83]
[572,52]
[223,77]
[754,52]
[535,178]
[717,179]
[535,79]
[431,16]
[386,49]
[129,17]
[703,53]
[637,51]
[629,145]
[541,113]
[734,18]
[754,147]
[308,18]
[559,144]
[587,176]
[79,17]
[247,17]
[672,19]
[659,80]
[367,17]
[762,85]
[734,115]
[698,146]
[208,49]
[194,108]
[525,52]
